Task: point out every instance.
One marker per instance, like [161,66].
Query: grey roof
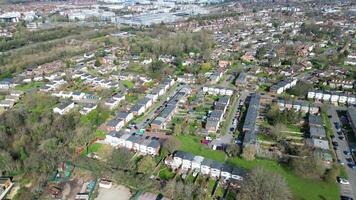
[158,121]
[252,112]
[241,78]
[238,171]
[315,120]
[317,131]
[113,122]
[63,105]
[351,112]
[136,107]
[216,114]
[167,111]
[116,134]
[144,101]
[134,139]
[207,162]
[216,165]
[154,144]
[226,168]
[250,137]
[121,115]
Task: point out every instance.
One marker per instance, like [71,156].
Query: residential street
[346,190]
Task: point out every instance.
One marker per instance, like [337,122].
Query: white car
[342,181]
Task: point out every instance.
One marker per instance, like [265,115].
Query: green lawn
[128,84]
[166,174]
[211,185]
[302,189]
[92,148]
[293,127]
[29,86]
[192,144]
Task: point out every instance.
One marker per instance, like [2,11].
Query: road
[346,190]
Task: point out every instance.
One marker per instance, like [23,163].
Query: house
[226,172]
[144,145]
[351,100]
[114,125]
[319,95]
[130,141]
[326,96]
[6,104]
[252,113]
[64,107]
[317,143]
[138,109]
[212,125]
[281,104]
[137,140]
[153,148]
[215,169]
[343,98]
[119,97]
[315,120]
[317,132]
[334,97]
[178,159]
[311,95]
[88,108]
[313,109]
[76,96]
[305,107]
[297,106]
[7,83]
[196,163]
[113,138]
[237,174]
[206,166]
[16,93]
[126,116]
[187,161]
[122,140]
[112,102]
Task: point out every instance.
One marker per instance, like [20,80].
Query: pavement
[345,190]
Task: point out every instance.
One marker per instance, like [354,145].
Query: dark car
[349,160]
[351,165]
[341,137]
[347,153]
[345,198]
[339,133]
[335,143]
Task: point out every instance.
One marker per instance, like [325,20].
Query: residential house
[196,163]
[6,184]
[226,172]
[88,108]
[153,148]
[126,116]
[64,107]
[215,169]
[114,125]
[206,166]
[311,95]
[326,96]
[6,104]
[237,174]
[187,161]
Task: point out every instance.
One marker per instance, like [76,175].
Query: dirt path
[117,192]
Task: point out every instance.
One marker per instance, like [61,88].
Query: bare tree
[262,184]
[249,152]
[171,144]
[279,132]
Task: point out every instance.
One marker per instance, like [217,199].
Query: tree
[309,166]
[122,159]
[278,132]
[171,144]
[146,165]
[177,130]
[105,152]
[233,150]
[262,184]
[249,152]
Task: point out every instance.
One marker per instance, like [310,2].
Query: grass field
[302,189]
[192,144]
[29,86]
[165,173]
[92,148]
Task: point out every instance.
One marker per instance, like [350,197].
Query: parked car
[340,162]
[347,153]
[345,198]
[335,143]
[341,137]
[342,181]
[351,165]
